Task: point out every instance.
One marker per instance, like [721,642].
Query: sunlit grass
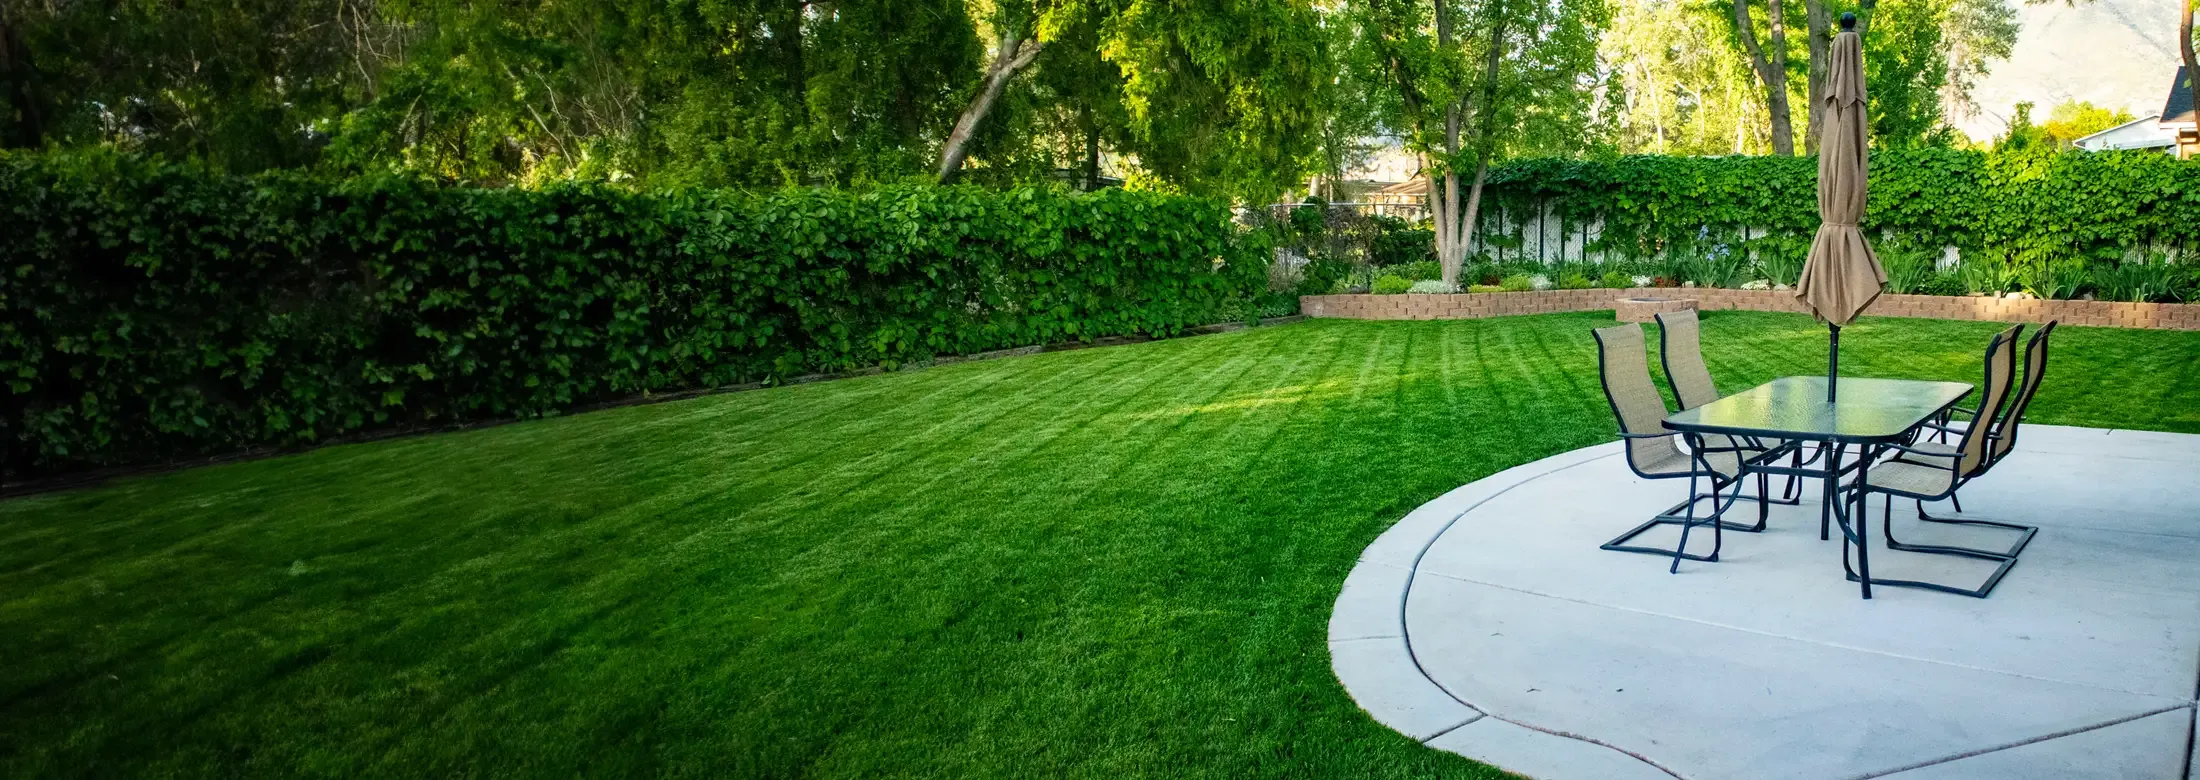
[1100,563]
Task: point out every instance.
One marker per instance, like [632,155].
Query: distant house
[2170,132]
[1411,192]
[2178,117]
[2143,133]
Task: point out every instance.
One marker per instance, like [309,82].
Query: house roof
[2140,120]
[1417,185]
[2179,106]
[2142,133]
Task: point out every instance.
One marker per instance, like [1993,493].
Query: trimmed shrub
[1397,242]
[1517,283]
[2028,204]
[154,310]
[1321,275]
[1419,271]
[1391,284]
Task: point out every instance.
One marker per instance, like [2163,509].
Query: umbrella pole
[1833,361]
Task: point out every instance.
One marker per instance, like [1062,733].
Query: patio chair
[1934,473]
[1680,352]
[2003,430]
[2035,369]
[1624,367]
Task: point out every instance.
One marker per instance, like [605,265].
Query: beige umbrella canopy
[1842,275]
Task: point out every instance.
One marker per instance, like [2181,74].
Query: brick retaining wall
[1469,306]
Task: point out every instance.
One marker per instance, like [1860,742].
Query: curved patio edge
[1370,653]
[1487,623]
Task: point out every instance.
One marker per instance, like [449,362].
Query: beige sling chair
[1680,351]
[2035,366]
[1927,471]
[1624,367]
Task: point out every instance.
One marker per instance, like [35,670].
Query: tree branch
[1016,53]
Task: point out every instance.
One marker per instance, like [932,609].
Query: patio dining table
[1852,432]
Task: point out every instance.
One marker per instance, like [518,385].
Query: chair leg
[1680,550]
[2007,560]
[1733,494]
[1718,529]
[1794,489]
[2026,532]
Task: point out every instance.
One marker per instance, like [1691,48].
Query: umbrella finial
[1848,21]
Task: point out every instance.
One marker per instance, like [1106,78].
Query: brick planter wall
[1646,308]
[1469,306]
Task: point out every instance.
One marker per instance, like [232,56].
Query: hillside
[2116,53]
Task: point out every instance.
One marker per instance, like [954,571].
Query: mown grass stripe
[1105,562]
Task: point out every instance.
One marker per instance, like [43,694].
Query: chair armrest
[2001,431]
[1940,455]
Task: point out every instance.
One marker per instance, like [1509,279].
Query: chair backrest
[1680,349]
[2035,367]
[1623,363]
[2001,368]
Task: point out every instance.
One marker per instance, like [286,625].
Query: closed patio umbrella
[1842,275]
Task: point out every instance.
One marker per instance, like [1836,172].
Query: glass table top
[1794,407]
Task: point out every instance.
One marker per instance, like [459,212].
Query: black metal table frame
[1837,500]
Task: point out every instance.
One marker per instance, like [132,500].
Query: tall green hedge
[153,310]
[2027,204]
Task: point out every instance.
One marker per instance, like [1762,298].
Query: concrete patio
[1488,623]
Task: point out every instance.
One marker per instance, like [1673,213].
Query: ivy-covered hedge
[153,310]
[2023,204]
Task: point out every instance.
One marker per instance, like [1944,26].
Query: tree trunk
[1092,149]
[2184,51]
[1016,53]
[1773,72]
[1451,250]
[1821,40]
[1092,161]
[1474,200]
[1486,138]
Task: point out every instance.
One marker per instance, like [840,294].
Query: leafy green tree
[1020,34]
[1904,73]
[1940,47]
[2071,120]
[1678,85]
[1222,99]
[2022,134]
[242,84]
[1481,80]
[1769,60]
[1975,34]
[1354,105]
[1070,111]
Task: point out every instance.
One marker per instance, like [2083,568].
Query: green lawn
[1100,563]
